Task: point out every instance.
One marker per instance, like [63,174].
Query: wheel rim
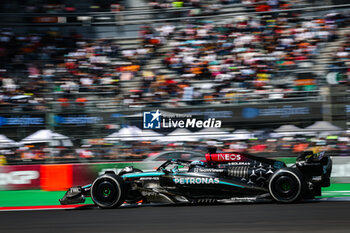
[105,192]
[285,188]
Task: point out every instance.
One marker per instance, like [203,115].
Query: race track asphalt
[305,217]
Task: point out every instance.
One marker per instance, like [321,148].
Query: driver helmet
[197,163]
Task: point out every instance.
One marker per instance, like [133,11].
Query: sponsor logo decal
[145,193]
[347,108]
[22,120]
[229,157]
[250,113]
[18,177]
[284,111]
[211,113]
[77,120]
[239,163]
[75,190]
[208,170]
[149,178]
[198,180]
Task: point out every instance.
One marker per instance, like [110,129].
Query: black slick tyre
[108,191]
[287,185]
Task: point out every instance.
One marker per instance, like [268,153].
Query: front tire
[108,191]
[287,185]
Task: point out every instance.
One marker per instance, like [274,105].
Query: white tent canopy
[213,133]
[323,128]
[150,135]
[132,133]
[113,136]
[6,142]
[180,132]
[47,136]
[239,134]
[179,135]
[288,130]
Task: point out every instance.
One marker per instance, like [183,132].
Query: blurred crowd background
[74,73]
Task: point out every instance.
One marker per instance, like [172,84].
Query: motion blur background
[76,76]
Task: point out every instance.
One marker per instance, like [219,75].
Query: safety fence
[138,17]
[18,125]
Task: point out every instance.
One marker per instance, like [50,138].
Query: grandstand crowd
[191,62]
[60,6]
[208,61]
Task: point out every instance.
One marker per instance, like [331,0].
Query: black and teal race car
[218,178]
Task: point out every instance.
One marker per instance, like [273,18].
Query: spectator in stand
[107,5]
[245,54]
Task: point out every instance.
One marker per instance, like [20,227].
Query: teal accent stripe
[146,174]
[133,175]
[221,182]
[180,174]
[226,183]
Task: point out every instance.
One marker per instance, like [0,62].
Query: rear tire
[108,191]
[287,185]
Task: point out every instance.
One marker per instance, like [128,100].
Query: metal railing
[93,103]
[241,98]
[91,18]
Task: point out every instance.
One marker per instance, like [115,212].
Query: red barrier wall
[56,177]
[20,177]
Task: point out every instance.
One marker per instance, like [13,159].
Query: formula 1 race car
[222,176]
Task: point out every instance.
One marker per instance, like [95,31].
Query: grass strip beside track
[287,160]
[336,190]
[44,198]
[32,198]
